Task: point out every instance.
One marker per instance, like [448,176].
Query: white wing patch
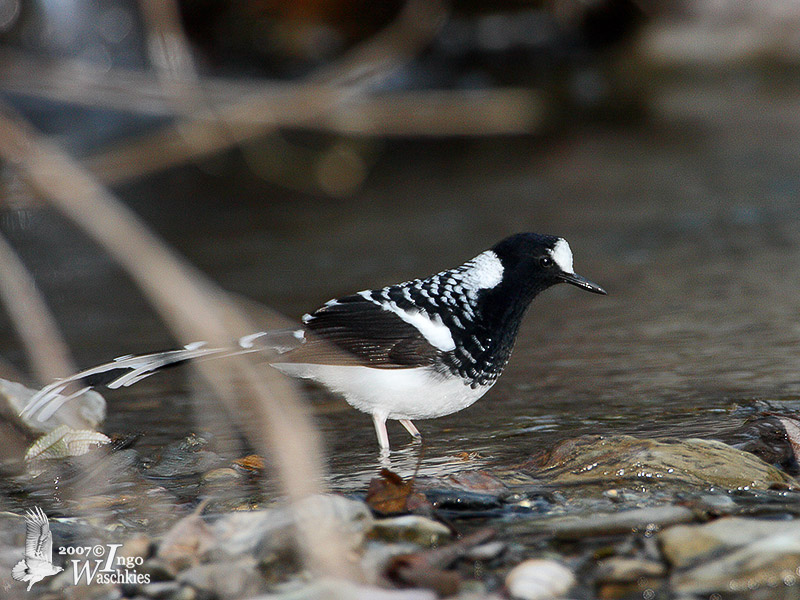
[431,328]
[562,255]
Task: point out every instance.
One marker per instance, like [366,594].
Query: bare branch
[195,309]
[49,354]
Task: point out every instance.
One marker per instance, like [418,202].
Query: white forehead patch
[483,272]
[562,255]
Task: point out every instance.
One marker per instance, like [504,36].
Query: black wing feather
[369,334]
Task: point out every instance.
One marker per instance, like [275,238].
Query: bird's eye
[546,262]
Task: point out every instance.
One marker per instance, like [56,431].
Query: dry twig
[195,309]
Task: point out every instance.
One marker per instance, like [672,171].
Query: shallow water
[690,219]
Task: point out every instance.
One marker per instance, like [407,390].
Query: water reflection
[698,248]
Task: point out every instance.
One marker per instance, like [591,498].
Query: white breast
[418,393]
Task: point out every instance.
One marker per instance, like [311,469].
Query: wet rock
[477,481]
[486,552]
[604,460]
[85,411]
[770,438]
[263,533]
[686,545]
[185,593]
[221,476]
[158,569]
[575,527]
[456,503]
[538,579]
[230,579]
[185,458]
[410,528]
[377,556]
[428,568]
[620,569]
[137,546]
[185,543]
[792,428]
[68,591]
[718,504]
[162,590]
[765,563]
[326,589]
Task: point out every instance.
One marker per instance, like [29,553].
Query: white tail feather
[135,368]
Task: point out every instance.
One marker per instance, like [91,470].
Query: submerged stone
[691,462]
[765,563]
[620,569]
[577,527]
[685,545]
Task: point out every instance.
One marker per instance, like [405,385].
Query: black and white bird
[416,350]
[38,560]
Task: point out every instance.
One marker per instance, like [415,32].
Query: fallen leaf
[64,442]
[390,494]
[251,462]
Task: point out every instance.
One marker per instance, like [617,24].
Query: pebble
[223,475]
[186,543]
[262,533]
[161,590]
[230,579]
[139,545]
[539,579]
[411,528]
[620,569]
[328,589]
[486,551]
[157,569]
[686,545]
[183,459]
[765,563]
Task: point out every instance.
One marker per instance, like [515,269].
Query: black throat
[483,350]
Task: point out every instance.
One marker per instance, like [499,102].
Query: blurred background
[297,151]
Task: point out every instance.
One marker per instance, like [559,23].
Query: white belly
[418,393]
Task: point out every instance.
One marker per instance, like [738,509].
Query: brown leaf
[390,494]
[251,462]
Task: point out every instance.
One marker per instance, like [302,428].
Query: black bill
[582,282]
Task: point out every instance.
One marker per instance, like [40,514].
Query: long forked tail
[127,370]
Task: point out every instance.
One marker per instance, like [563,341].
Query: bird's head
[538,261]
